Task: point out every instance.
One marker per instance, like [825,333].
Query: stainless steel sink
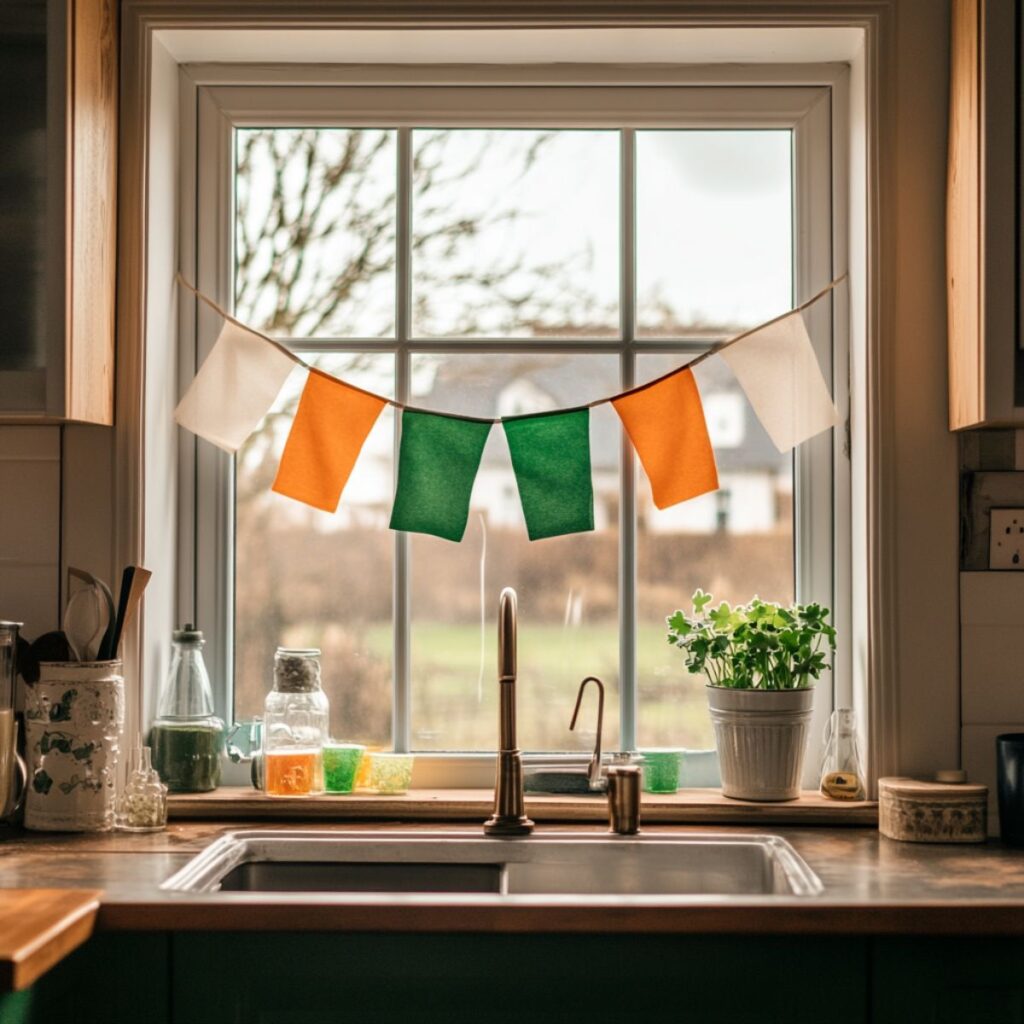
[417,865]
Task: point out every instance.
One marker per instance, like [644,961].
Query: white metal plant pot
[761,737]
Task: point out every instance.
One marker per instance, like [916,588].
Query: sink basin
[406,865]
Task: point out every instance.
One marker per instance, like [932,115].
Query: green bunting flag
[437,464]
[551,459]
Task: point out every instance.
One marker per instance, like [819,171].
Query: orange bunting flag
[665,422]
[328,432]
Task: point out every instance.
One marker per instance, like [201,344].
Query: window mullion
[401,696]
[627,465]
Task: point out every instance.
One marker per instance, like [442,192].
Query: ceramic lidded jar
[74,716]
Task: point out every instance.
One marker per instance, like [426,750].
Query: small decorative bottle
[841,775]
[296,718]
[187,737]
[143,804]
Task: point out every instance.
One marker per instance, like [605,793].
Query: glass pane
[25,245]
[567,586]
[714,227]
[315,231]
[305,578]
[735,543]
[515,233]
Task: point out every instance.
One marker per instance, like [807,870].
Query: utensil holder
[74,716]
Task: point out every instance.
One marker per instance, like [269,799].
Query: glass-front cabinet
[58,99]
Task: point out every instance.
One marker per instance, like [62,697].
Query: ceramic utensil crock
[73,717]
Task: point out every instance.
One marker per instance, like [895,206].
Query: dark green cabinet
[308,978]
[311,977]
[947,981]
[115,978]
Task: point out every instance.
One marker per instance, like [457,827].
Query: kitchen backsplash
[991,605]
[30,462]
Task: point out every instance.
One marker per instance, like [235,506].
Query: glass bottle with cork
[842,777]
[296,718]
[187,737]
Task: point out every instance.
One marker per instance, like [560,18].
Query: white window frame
[213,104]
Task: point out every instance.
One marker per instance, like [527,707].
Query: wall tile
[992,673]
[88,501]
[30,514]
[988,449]
[992,598]
[28,594]
[29,442]
[991,647]
[978,757]
[30,527]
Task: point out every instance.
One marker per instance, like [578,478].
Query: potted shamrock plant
[761,661]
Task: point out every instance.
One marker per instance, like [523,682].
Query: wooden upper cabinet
[986,361]
[59,165]
[89,126]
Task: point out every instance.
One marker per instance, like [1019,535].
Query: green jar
[187,756]
[187,737]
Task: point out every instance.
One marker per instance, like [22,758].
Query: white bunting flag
[236,385]
[777,369]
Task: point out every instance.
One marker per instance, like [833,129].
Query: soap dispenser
[187,737]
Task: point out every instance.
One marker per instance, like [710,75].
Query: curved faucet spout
[594,772]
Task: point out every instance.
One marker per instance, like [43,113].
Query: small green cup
[661,770]
[341,762]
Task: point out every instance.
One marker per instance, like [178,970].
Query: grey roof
[471,385]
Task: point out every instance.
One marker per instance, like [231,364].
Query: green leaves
[760,645]
[677,624]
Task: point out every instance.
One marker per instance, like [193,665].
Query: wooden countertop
[873,885]
[38,928]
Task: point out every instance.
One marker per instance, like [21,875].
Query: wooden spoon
[133,583]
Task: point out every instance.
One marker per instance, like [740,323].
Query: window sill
[693,806]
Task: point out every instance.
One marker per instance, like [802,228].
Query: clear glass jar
[842,777]
[296,717]
[143,803]
[187,737]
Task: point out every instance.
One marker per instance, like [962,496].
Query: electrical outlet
[1006,539]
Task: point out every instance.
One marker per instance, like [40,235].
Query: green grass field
[454,704]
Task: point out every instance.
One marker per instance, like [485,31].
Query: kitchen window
[494,251]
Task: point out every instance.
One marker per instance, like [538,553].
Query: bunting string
[713,350]
[440,453]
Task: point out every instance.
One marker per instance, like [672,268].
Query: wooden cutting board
[38,928]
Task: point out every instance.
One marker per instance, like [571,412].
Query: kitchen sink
[406,865]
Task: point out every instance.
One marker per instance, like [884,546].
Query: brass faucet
[594,780]
[509,817]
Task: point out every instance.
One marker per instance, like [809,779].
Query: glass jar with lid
[296,718]
[187,737]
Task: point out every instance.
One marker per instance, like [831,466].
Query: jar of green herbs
[187,737]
